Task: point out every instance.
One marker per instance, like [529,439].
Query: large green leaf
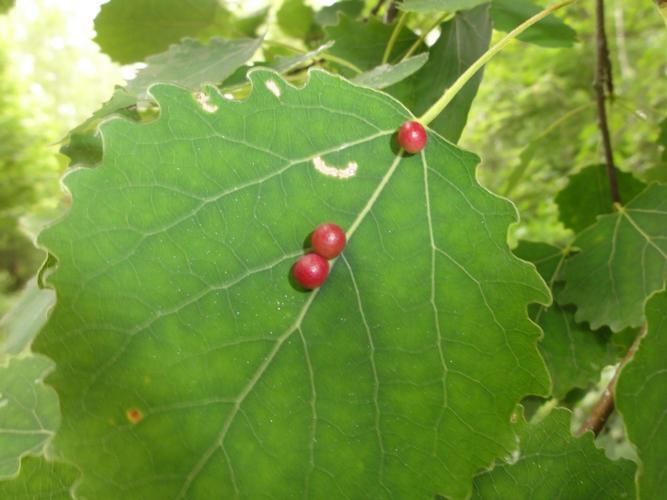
[26,317]
[388,74]
[587,195]
[397,377]
[641,397]
[363,43]
[550,463]
[623,260]
[549,32]
[574,354]
[130,30]
[29,412]
[328,16]
[463,39]
[40,479]
[439,5]
[191,64]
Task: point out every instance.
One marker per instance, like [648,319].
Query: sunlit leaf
[5,5]
[641,397]
[328,16]
[130,30]
[623,260]
[389,74]
[29,413]
[464,38]
[550,463]
[191,64]
[587,195]
[549,32]
[296,19]
[397,377]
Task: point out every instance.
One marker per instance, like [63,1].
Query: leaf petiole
[423,36]
[451,92]
[394,36]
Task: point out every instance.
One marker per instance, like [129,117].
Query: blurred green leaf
[439,5]
[641,398]
[297,19]
[463,39]
[389,74]
[29,411]
[550,463]
[26,317]
[587,195]
[192,64]
[574,354]
[130,30]
[363,43]
[5,5]
[623,260]
[549,32]
[328,16]
[234,379]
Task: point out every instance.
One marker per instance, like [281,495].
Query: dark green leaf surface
[396,378]
[549,32]
[574,354]
[40,479]
[296,19]
[641,397]
[328,16]
[26,317]
[464,38]
[623,260]
[587,195]
[550,463]
[363,43]
[130,30]
[191,64]
[389,74]
[29,412]
[439,5]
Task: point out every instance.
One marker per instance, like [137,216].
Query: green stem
[451,92]
[394,36]
[323,55]
[423,36]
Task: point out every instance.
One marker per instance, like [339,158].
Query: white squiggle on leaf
[340,173]
[203,101]
[273,87]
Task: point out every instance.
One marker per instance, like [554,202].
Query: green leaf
[587,195]
[550,463]
[130,30]
[6,5]
[397,377]
[26,317]
[623,260]
[439,5]
[389,74]
[549,32]
[363,43]
[463,39]
[574,354]
[40,479]
[296,19]
[641,397]
[328,16]
[191,64]
[29,413]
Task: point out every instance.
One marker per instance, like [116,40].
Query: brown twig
[392,12]
[376,8]
[605,405]
[604,86]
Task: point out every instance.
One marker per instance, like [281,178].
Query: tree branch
[376,8]
[604,86]
[392,12]
[603,408]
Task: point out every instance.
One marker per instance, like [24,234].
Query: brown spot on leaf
[134,415]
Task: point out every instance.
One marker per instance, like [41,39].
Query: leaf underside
[396,378]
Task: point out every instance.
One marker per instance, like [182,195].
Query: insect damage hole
[273,87]
[340,173]
[203,101]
